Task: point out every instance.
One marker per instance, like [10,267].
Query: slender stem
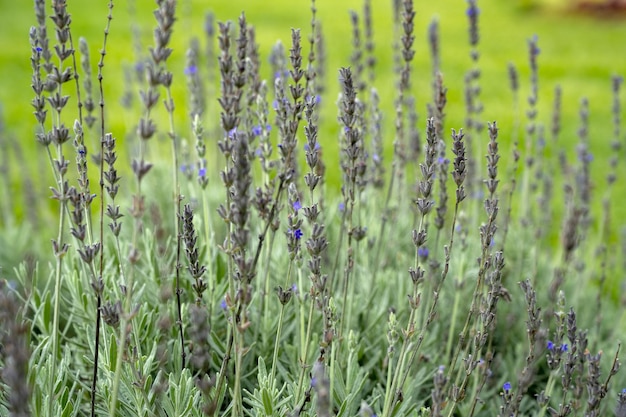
[101,270]
[304,354]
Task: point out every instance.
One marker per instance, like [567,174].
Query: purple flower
[275,104]
[564,347]
[223,304]
[232,132]
[506,386]
[422,252]
[472,11]
[183,168]
[297,205]
[191,70]
[550,345]
[39,49]
[317,98]
[376,158]
[342,206]
[294,289]
[258,152]
[307,147]
[202,172]
[139,66]
[298,234]
[257,130]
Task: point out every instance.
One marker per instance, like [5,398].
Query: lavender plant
[296,313]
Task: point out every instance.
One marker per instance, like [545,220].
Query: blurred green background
[579,50]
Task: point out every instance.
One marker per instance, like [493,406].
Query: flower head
[507,386]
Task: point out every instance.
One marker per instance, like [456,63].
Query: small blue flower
[39,49]
[342,206]
[191,70]
[307,147]
[183,168]
[223,304]
[298,234]
[258,152]
[275,104]
[202,172]
[82,151]
[472,10]
[139,66]
[294,289]
[623,390]
[550,345]
[422,252]
[232,132]
[564,347]
[297,205]
[376,158]
[257,130]
[507,386]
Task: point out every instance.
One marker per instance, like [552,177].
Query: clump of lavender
[58,135]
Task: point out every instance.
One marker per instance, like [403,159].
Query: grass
[240,287]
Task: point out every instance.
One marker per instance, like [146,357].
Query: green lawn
[578,52]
